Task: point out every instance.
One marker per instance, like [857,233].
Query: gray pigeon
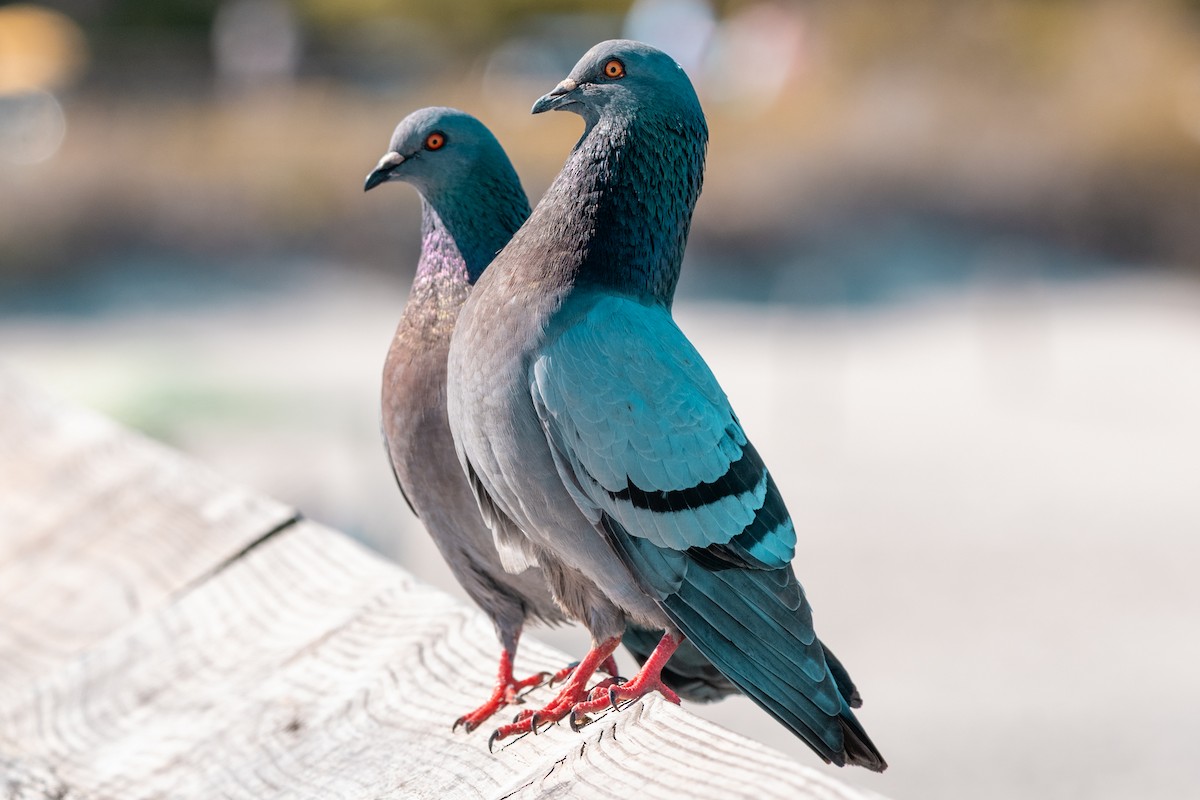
[599,443]
[472,202]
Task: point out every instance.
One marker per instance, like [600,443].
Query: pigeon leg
[647,680]
[505,693]
[574,691]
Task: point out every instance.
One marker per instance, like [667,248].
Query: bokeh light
[32,126]
[255,42]
[41,51]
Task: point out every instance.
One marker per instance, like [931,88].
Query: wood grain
[98,525]
[302,666]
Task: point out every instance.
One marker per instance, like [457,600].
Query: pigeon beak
[557,98]
[383,170]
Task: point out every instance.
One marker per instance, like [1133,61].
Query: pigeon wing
[651,451]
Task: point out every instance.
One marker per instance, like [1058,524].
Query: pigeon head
[472,198]
[622,77]
[626,194]
[436,148]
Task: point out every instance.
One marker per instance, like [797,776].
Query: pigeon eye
[614,69]
[435,141]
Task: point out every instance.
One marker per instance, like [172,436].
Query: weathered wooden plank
[165,635]
[313,669]
[98,525]
[25,780]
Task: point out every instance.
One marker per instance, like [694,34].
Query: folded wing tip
[859,749]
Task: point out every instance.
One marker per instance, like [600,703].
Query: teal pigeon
[599,443]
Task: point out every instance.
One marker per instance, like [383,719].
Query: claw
[507,691]
[608,692]
[578,721]
[574,692]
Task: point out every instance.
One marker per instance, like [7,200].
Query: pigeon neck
[442,260]
[630,187]
[463,229]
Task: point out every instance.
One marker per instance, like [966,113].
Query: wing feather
[646,434]
[651,451]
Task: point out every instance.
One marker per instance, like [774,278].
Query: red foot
[608,665]
[573,692]
[648,680]
[506,693]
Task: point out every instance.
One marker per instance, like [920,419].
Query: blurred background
[945,264]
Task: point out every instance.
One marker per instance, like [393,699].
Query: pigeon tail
[756,628]
[860,750]
[841,677]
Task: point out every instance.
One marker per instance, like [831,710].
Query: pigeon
[600,445]
[472,202]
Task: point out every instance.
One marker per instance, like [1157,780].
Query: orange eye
[435,141]
[614,69]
